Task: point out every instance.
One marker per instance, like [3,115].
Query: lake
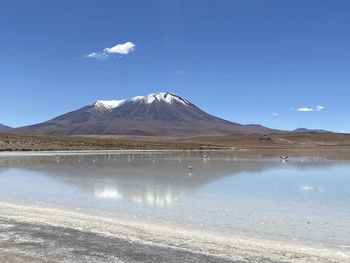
[305,200]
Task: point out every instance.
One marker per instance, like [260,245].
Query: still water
[301,200]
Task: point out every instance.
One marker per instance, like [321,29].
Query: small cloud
[119,49]
[305,109]
[97,55]
[180,72]
[274,114]
[122,49]
[319,108]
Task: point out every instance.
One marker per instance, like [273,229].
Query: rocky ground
[15,142]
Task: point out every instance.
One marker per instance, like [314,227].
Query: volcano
[156,114]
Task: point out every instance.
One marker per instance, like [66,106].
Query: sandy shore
[42,234]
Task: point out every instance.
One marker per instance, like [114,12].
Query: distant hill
[309,130]
[4,128]
[156,114]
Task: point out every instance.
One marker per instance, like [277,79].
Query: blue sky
[246,61]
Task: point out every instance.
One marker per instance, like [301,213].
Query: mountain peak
[155,114]
[108,104]
[166,97]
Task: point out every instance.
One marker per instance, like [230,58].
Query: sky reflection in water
[302,199]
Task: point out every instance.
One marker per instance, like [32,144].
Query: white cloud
[180,72]
[119,49]
[319,108]
[97,55]
[275,114]
[305,109]
[122,49]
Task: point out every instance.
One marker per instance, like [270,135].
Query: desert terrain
[307,140]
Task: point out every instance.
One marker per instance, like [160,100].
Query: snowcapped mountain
[166,97]
[163,113]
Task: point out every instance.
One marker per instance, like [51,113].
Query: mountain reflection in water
[144,179]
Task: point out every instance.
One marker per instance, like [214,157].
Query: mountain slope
[4,128]
[309,130]
[164,114]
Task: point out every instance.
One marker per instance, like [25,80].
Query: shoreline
[333,154]
[173,241]
[275,141]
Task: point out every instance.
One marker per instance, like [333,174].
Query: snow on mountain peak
[166,97]
[108,104]
[161,96]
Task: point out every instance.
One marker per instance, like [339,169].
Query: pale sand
[42,234]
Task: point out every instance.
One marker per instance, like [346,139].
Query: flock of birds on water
[205,157]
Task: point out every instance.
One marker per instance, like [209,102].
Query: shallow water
[303,200]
